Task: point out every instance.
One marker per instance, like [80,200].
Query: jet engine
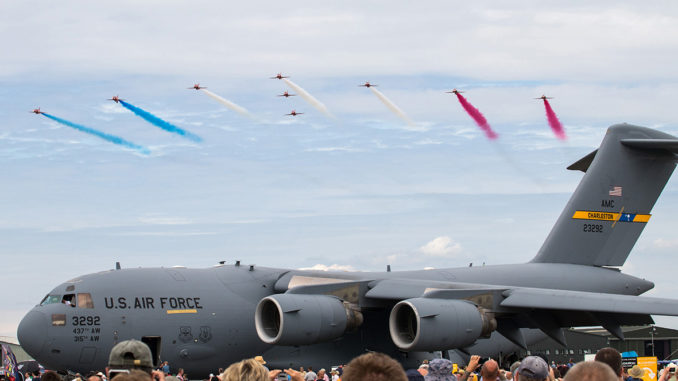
[297,319]
[423,324]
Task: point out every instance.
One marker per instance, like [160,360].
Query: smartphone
[282,376]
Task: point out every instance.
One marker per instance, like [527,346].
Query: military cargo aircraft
[202,319]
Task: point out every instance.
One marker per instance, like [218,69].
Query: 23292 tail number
[593,228]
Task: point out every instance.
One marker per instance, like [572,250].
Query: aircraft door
[153,342]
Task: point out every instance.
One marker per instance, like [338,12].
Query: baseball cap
[131,354]
[534,367]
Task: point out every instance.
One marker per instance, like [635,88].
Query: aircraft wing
[546,309]
[588,301]
[442,305]
[514,298]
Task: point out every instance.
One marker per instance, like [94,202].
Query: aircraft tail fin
[609,209]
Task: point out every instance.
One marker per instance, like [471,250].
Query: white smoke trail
[228,103]
[391,106]
[308,98]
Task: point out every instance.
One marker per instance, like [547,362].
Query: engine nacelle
[297,319]
[423,324]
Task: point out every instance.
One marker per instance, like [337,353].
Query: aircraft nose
[32,332]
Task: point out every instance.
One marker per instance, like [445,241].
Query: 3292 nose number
[86,320]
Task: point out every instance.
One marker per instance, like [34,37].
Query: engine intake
[423,324]
[297,319]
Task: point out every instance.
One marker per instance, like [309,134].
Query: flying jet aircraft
[196,87]
[278,76]
[116,99]
[287,95]
[36,111]
[544,97]
[454,91]
[294,113]
[367,84]
[202,319]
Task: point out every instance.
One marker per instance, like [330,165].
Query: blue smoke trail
[111,138]
[159,122]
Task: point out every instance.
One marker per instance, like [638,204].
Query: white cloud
[164,234]
[441,247]
[151,220]
[662,243]
[332,267]
[333,149]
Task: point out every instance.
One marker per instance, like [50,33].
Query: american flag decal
[616,191]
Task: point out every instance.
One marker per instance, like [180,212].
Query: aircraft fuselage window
[51,299]
[58,319]
[85,300]
[69,300]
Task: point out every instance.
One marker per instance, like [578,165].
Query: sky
[358,190]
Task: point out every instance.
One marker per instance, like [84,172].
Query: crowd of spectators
[131,360]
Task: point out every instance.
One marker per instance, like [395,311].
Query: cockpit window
[85,300]
[69,300]
[51,299]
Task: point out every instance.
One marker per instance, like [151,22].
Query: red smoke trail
[554,122]
[477,116]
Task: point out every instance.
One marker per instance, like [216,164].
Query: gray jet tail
[609,209]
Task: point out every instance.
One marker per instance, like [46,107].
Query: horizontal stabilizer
[589,301]
[653,144]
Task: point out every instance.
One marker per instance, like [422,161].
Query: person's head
[94,377]
[131,354]
[50,376]
[310,369]
[636,372]
[321,373]
[133,375]
[180,371]
[374,366]
[591,371]
[440,370]
[562,369]
[532,368]
[611,357]
[489,370]
[245,370]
